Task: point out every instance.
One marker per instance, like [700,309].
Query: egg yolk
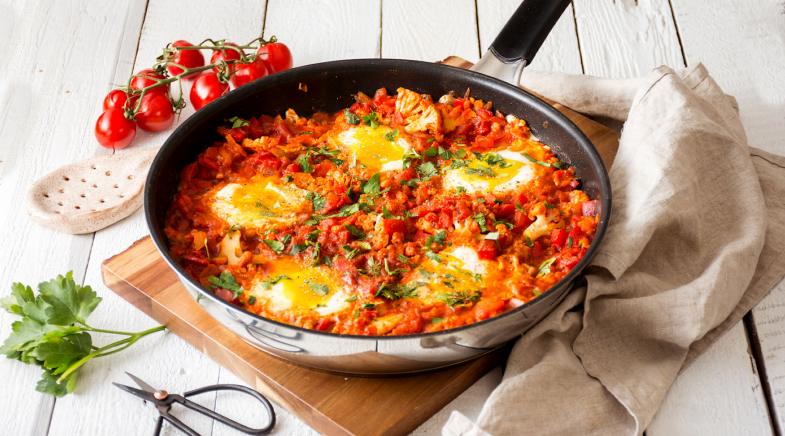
[263,201]
[290,285]
[378,149]
[457,271]
[491,175]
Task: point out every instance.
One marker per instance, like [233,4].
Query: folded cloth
[696,239]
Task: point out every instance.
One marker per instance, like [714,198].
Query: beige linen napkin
[695,240]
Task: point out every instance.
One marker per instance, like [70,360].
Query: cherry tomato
[245,73]
[114,130]
[276,55]
[225,55]
[155,112]
[186,58]
[148,77]
[115,99]
[207,88]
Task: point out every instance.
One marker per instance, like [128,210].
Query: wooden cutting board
[331,404]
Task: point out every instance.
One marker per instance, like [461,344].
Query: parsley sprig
[53,332]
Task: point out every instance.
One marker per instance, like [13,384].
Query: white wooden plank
[716,395]
[626,38]
[165,361]
[325,30]
[48,87]
[559,52]
[429,31]
[743,47]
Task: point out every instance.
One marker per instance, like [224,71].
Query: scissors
[163,402]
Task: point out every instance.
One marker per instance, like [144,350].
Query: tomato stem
[135,96]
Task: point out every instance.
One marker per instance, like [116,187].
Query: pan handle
[520,38]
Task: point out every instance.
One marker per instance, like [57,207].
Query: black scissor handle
[226,420]
[182,399]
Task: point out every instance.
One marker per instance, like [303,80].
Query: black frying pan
[330,87]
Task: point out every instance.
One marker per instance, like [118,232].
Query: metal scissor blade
[141,383]
[147,396]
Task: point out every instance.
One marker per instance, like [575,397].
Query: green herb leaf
[276,246]
[460,298]
[226,281]
[372,120]
[272,281]
[351,118]
[319,288]
[237,122]
[354,231]
[481,221]
[317,200]
[373,185]
[528,242]
[436,320]
[545,266]
[304,163]
[390,136]
[396,291]
[427,170]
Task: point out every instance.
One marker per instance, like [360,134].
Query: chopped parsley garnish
[392,272]
[545,266]
[350,252]
[354,231]
[226,281]
[373,185]
[390,136]
[316,200]
[351,118]
[404,259]
[372,120]
[305,164]
[368,306]
[427,170]
[268,283]
[351,299]
[276,246]
[569,242]
[483,171]
[439,238]
[409,156]
[558,164]
[396,291]
[436,320]
[433,256]
[319,288]
[252,300]
[237,122]
[460,298]
[529,242]
[481,221]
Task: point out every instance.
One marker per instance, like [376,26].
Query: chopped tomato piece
[558,238]
[488,250]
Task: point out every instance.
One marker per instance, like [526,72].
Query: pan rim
[206,114]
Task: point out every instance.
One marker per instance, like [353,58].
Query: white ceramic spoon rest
[87,196]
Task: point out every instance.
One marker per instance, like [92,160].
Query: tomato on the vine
[207,88]
[114,130]
[148,77]
[276,56]
[226,54]
[155,112]
[186,58]
[115,99]
[245,73]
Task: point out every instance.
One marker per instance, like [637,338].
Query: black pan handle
[520,39]
[526,30]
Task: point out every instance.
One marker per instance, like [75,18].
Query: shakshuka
[396,215]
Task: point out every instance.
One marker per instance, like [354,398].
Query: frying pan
[330,87]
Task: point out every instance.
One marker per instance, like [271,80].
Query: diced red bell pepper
[394,226]
[558,238]
[487,250]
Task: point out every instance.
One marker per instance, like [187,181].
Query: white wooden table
[59,58]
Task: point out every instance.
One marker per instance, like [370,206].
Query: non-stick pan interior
[330,86]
